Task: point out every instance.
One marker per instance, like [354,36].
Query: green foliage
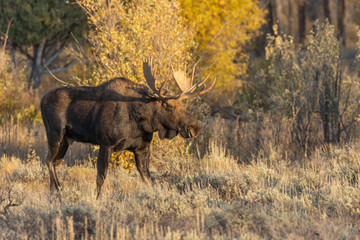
[34,21]
[40,31]
[222,30]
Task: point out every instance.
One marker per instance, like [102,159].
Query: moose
[118,115]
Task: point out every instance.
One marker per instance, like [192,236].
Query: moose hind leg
[55,142]
[51,156]
[102,165]
[64,145]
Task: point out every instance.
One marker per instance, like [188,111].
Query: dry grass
[212,196]
[18,139]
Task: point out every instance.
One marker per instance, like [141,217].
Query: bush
[312,87]
[128,32]
[17,103]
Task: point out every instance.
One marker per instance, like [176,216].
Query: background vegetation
[278,153]
[40,30]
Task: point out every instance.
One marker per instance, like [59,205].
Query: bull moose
[117,115]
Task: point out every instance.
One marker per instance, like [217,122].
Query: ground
[196,196]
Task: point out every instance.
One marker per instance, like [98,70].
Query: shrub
[127,32]
[310,85]
[17,103]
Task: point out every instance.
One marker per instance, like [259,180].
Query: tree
[295,17]
[40,30]
[124,33]
[223,28]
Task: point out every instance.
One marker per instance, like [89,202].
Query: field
[217,190]
[278,153]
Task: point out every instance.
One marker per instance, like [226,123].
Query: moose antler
[150,79]
[185,84]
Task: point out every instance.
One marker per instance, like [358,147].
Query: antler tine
[149,76]
[193,73]
[199,84]
[180,95]
[202,91]
[162,86]
[203,81]
[212,84]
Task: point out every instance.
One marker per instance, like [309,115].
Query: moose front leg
[102,165]
[142,159]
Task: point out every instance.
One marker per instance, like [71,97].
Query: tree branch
[56,70]
[55,55]
[26,54]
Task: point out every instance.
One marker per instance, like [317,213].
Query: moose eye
[169,106]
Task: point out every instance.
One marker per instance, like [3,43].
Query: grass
[197,196]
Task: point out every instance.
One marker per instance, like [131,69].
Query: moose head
[174,118]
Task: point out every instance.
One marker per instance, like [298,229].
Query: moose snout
[190,130]
[193,130]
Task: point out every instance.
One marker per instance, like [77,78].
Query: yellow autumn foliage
[222,30]
[124,33]
[16,104]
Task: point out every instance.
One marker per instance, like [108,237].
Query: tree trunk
[326,10]
[302,21]
[271,16]
[37,66]
[341,21]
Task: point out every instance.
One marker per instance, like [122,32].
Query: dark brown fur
[117,115]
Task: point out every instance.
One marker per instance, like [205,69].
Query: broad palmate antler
[185,84]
